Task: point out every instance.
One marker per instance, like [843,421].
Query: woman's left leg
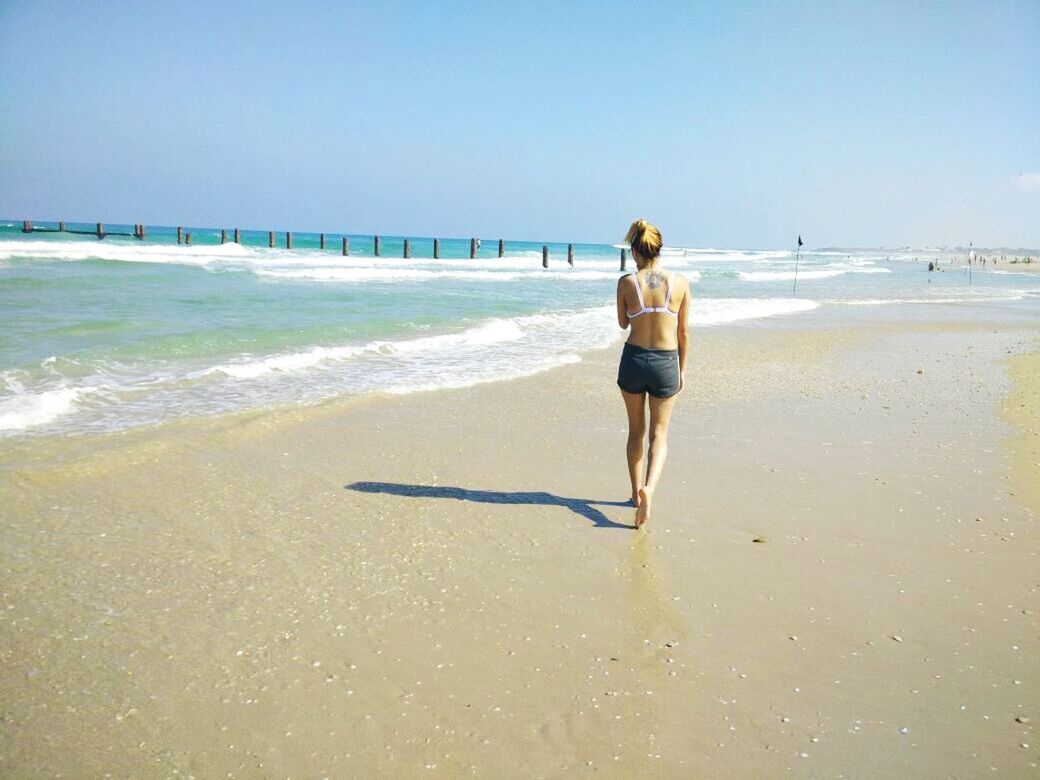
[660,417]
[635,405]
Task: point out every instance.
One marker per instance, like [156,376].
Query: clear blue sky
[729,124]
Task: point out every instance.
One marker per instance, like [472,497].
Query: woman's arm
[683,334]
[622,307]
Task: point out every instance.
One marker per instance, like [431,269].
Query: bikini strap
[639,292]
[668,291]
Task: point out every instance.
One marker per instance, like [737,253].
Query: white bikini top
[644,309]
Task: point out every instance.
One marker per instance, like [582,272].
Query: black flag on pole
[797,257]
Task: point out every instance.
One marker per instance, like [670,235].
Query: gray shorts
[654,371]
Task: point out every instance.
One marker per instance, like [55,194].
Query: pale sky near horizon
[728,124]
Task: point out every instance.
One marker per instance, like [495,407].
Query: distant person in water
[654,304]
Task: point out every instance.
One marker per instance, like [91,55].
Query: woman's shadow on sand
[581,506]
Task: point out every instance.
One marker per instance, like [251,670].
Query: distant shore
[447,582]
[994,261]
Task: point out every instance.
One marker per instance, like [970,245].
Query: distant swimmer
[655,305]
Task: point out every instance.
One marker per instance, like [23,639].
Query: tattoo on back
[654,279]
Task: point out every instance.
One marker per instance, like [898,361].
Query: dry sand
[1033,267]
[445,584]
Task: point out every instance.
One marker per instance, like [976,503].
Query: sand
[447,584]
[1022,410]
[1033,267]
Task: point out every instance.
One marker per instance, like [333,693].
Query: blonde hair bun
[645,240]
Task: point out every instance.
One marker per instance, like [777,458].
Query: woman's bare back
[657,330]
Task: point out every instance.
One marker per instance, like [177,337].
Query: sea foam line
[26,409]
[329,266]
[1012,296]
[390,274]
[823,273]
[722,311]
[493,332]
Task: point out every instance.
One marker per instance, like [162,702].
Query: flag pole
[797,257]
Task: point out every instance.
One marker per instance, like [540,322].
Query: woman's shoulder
[678,277]
[680,283]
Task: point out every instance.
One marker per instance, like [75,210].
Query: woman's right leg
[660,417]
[635,405]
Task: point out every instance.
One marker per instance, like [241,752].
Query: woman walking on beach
[655,304]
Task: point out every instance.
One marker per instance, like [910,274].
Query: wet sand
[448,583]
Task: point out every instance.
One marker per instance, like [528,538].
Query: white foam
[491,332]
[317,265]
[494,331]
[392,274]
[699,255]
[74,251]
[295,361]
[1011,296]
[25,410]
[461,381]
[322,266]
[821,273]
[719,311]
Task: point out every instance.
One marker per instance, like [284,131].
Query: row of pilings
[185,238]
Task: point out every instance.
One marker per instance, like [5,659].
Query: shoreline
[834,317]
[445,582]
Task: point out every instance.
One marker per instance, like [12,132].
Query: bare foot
[635,499]
[643,507]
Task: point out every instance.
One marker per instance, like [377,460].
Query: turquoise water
[103,335]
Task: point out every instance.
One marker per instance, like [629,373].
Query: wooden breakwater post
[545,256]
[321,240]
[270,239]
[436,249]
[407,248]
[27,226]
[570,255]
[288,240]
[223,236]
[375,245]
[472,248]
[624,260]
[187,239]
[501,247]
[180,235]
[61,227]
[100,230]
[238,236]
[346,246]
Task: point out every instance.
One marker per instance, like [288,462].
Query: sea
[105,335]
